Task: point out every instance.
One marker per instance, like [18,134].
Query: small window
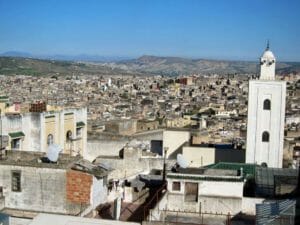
[69,136]
[16,181]
[15,143]
[78,132]
[267,104]
[176,186]
[50,139]
[265,136]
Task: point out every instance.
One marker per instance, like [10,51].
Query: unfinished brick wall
[78,187]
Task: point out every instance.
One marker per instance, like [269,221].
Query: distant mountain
[178,66]
[16,54]
[145,65]
[37,67]
[81,57]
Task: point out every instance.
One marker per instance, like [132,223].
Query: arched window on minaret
[267,104]
[265,136]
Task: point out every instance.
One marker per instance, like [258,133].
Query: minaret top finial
[268,45]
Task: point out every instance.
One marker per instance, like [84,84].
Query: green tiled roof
[3,99]
[18,134]
[248,169]
[50,116]
[206,178]
[80,124]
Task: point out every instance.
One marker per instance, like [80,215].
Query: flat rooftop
[209,172]
[33,159]
[206,174]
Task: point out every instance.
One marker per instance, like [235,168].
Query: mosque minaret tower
[266,115]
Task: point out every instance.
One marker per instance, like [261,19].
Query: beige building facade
[35,131]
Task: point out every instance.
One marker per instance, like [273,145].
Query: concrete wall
[199,156]
[211,188]
[174,139]
[214,204]
[98,192]
[248,205]
[101,144]
[42,189]
[123,127]
[132,164]
[222,205]
[213,196]
[52,190]
[19,221]
[103,147]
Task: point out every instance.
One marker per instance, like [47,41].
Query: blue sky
[216,29]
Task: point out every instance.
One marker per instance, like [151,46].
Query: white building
[266,112]
[35,131]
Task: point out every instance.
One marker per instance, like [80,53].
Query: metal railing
[155,200]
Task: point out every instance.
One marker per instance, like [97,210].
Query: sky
[213,29]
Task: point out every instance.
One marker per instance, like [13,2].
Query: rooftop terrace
[33,159]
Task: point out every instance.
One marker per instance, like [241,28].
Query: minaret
[266,114]
[267,65]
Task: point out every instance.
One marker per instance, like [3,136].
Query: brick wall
[78,188]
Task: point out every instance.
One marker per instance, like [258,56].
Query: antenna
[53,152]
[268,45]
[182,162]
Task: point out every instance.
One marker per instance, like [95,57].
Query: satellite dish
[53,152]
[182,162]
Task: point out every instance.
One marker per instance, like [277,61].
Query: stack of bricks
[78,187]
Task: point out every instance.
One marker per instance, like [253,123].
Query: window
[69,136]
[267,104]
[16,181]
[265,136]
[176,186]
[191,192]
[78,132]
[50,139]
[15,143]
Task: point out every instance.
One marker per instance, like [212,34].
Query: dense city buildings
[199,148]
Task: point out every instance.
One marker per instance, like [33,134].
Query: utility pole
[164,168]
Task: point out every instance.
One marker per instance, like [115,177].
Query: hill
[36,67]
[145,65]
[177,66]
